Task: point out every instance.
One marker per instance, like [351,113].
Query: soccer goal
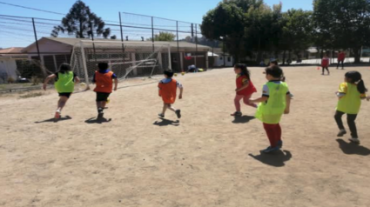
[126,59]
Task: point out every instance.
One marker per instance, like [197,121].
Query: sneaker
[354,140]
[280,144]
[270,150]
[178,113]
[341,133]
[237,114]
[161,115]
[57,115]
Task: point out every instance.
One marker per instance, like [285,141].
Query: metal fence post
[196,44]
[123,46]
[38,48]
[178,47]
[153,32]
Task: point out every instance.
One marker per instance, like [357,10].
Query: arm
[243,87]
[47,80]
[77,79]
[287,108]
[261,99]
[181,91]
[115,83]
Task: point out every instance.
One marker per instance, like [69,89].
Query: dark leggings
[339,62]
[350,120]
[325,68]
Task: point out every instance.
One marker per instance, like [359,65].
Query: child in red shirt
[244,88]
[325,65]
[168,91]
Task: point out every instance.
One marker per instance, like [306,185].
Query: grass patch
[31,95]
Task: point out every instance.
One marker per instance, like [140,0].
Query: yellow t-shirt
[350,98]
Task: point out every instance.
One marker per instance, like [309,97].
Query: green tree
[226,23]
[345,23]
[82,23]
[163,36]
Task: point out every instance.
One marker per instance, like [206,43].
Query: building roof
[108,43]
[12,50]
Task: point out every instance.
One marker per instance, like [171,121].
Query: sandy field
[206,159]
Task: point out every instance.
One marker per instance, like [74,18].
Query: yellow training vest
[350,103]
[270,112]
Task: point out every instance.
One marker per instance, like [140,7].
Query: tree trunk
[284,57]
[357,54]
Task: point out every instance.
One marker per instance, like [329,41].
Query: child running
[64,83]
[167,90]
[350,94]
[325,64]
[103,78]
[244,88]
[273,63]
[275,101]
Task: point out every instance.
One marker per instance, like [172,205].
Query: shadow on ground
[276,159]
[166,122]
[243,119]
[350,148]
[53,120]
[97,121]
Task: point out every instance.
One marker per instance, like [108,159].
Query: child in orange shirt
[167,90]
[325,65]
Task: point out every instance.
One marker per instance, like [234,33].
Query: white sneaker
[354,139]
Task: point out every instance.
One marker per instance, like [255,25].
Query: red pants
[273,132]
[245,100]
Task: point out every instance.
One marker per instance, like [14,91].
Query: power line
[30,8]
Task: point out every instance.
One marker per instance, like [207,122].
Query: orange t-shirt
[104,82]
[168,91]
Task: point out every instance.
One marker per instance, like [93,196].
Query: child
[275,101]
[167,90]
[325,65]
[104,85]
[341,58]
[350,94]
[65,81]
[273,63]
[244,88]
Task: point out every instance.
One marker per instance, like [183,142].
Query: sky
[188,11]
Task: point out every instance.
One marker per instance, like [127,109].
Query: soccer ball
[108,100]
[183,73]
[83,85]
[175,74]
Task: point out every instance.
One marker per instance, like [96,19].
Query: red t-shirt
[240,81]
[341,56]
[325,62]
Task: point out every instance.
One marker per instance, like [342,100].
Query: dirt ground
[206,159]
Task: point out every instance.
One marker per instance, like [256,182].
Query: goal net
[126,59]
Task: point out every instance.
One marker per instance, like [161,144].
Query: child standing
[167,90]
[275,101]
[244,88]
[103,78]
[325,65]
[64,83]
[350,94]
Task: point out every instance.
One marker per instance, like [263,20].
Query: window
[228,59]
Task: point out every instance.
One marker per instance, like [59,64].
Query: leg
[352,124]
[270,133]
[237,102]
[62,102]
[323,70]
[338,119]
[165,106]
[327,69]
[247,102]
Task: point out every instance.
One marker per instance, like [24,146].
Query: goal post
[126,59]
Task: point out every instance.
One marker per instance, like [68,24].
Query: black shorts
[102,96]
[65,94]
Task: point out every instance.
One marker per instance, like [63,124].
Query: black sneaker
[178,113]
[161,115]
[237,114]
[341,133]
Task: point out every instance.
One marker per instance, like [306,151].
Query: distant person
[244,88]
[65,81]
[103,79]
[325,65]
[273,63]
[350,93]
[341,58]
[275,102]
[168,91]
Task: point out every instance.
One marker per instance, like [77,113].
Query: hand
[180,96]
[44,86]
[286,111]
[159,95]
[236,90]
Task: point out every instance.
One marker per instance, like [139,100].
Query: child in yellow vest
[350,94]
[65,81]
[275,101]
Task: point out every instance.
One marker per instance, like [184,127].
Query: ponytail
[356,78]
[361,87]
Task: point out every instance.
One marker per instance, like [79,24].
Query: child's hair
[64,67]
[356,78]
[244,69]
[168,73]
[103,66]
[274,71]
